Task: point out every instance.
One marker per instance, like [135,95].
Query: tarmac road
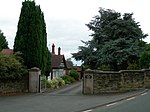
[140,103]
[69,99]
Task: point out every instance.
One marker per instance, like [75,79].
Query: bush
[74,74]
[68,79]
[61,82]
[11,68]
[55,83]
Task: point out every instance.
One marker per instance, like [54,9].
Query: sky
[66,19]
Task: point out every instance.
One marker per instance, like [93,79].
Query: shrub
[61,82]
[68,79]
[74,74]
[55,83]
[11,68]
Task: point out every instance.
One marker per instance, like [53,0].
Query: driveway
[67,99]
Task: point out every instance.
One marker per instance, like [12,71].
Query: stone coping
[114,72]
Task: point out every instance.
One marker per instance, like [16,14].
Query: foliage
[68,79]
[48,64]
[147,47]
[3,42]
[145,60]
[31,36]
[55,83]
[104,68]
[74,74]
[61,82]
[43,81]
[48,84]
[117,41]
[11,68]
[70,62]
[133,66]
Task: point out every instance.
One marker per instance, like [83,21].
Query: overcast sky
[66,19]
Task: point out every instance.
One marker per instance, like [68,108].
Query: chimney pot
[53,49]
[59,49]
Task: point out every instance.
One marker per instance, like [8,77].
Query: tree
[31,36]
[117,41]
[3,41]
[48,64]
[46,58]
[70,62]
[144,60]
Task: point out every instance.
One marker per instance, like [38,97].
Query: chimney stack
[53,49]
[59,49]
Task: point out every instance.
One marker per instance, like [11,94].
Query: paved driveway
[67,99]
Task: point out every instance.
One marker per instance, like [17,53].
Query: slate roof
[57,60]
[7,51]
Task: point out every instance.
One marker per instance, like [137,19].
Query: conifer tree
[48,64]
[117,41]
[3,41]
[31,37]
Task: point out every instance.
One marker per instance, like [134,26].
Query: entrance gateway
[88,84]
[36,81]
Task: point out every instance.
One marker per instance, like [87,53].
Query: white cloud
[66,19]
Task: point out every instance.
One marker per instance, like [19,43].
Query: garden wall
[97,82]
[15,86]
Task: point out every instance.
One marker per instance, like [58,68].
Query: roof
[79,68]
[57,60]
[69,65]
[7,51]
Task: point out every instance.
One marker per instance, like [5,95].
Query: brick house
[58,63]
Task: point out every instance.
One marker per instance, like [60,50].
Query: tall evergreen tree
[117,41]
[45,52]
[3,41]
[48,64]
[31,37]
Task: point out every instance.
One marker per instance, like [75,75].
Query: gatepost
[88,83]
[34,80]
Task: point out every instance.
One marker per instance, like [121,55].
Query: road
[139,103]
[69,99]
